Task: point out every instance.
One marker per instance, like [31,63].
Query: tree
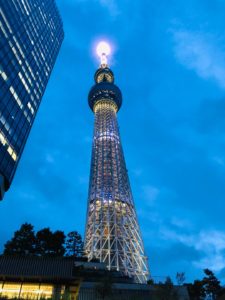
[44,243]
[74,244]
[180,277]
[59,243]
[221,294]
[196,290]
[50,243]
[150,281]
[211,284]
[165,291]
[169,289]
[23,241]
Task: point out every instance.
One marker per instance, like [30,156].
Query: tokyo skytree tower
[112,230]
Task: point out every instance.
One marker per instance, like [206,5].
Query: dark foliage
[150,281]
[23,241]
[165,291]
[211,284]
[208,287]
[50,243]
[196,290]
[74,244]
[180,277]
[44,243]
[221,294]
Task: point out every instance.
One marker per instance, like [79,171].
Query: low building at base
[67,278]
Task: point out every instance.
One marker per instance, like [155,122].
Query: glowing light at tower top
[103,51]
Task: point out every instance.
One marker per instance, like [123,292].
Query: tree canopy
[23,242]
[207,288]
[44,242]
[180,277]
[50,243]
[74,244]
[211,284]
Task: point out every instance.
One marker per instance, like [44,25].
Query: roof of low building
[51,269]
[39,267]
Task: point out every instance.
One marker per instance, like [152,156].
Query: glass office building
[31,33]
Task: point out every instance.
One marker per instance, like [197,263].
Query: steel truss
[112,230]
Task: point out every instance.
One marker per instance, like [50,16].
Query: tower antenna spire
[103,50]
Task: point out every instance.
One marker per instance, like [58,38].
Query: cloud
[210,243]
[112,7]
[218,160]
[150,193]
[210,116]
[198,51]
[174,257]
[137,172]
[222,273]
[213,262]
[49,158]
[180,223]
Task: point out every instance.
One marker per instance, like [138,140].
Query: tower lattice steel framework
[112,230]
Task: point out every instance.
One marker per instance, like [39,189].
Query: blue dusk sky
[169,61]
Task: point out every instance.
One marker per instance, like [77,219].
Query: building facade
[31,34]
[112,231]
[65,278]
[27,277]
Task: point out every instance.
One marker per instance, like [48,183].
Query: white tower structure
[112,230]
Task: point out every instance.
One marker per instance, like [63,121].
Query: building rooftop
[36,267]
[51,269]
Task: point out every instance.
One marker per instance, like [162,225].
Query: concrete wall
[93,291]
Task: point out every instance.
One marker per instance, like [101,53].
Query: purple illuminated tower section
[112,230]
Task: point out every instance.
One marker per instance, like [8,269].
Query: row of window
[9,148]
[26,290]
[28,52]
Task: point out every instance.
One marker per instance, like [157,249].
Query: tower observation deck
[112,231]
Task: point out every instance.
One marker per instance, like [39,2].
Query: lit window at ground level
[26,290]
